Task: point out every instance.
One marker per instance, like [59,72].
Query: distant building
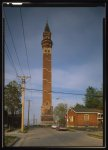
[84,117]
[47,108]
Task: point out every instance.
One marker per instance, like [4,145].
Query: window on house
[86,117]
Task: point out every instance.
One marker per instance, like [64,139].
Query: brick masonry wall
[78,119]
[47,109]
[91,122]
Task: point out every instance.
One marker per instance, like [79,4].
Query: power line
[10,58]
[71,93]
[25,45]
[34,89]
[13,42]
[25,41]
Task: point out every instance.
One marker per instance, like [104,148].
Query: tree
[79,106]
[93,98]
[100,98]
[12,97]
[59,113]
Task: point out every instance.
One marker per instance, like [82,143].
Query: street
[52,137]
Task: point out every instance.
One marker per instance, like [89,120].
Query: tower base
[47,123]
[47,115]
[47,119]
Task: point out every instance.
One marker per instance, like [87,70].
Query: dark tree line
[12,102]
[12,97]
[93,99]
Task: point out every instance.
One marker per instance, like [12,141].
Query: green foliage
[100,99]
[59,112]
[79,106]
[12,97]
[93,98]
[9,140]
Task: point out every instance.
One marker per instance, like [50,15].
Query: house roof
[91,110]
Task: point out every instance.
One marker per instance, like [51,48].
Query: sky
[77,52]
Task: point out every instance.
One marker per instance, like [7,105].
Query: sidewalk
[12,132]
[15,132]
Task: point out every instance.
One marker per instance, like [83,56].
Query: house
[84,117]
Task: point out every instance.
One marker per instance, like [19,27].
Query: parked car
[54,126]
[60,128]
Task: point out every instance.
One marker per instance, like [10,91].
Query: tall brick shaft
[47,108]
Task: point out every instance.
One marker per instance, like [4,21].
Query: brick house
[84,117]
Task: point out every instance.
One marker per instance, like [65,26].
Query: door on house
[72,120]
[86,120]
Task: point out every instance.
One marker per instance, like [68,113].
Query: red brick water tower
[47,108]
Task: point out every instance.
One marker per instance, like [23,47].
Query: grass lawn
[9,139]
[97,134]
[71,129]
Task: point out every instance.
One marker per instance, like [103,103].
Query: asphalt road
[51,137]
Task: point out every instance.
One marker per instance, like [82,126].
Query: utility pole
[28,113]
[23,78]
[67,117]
[34,119]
